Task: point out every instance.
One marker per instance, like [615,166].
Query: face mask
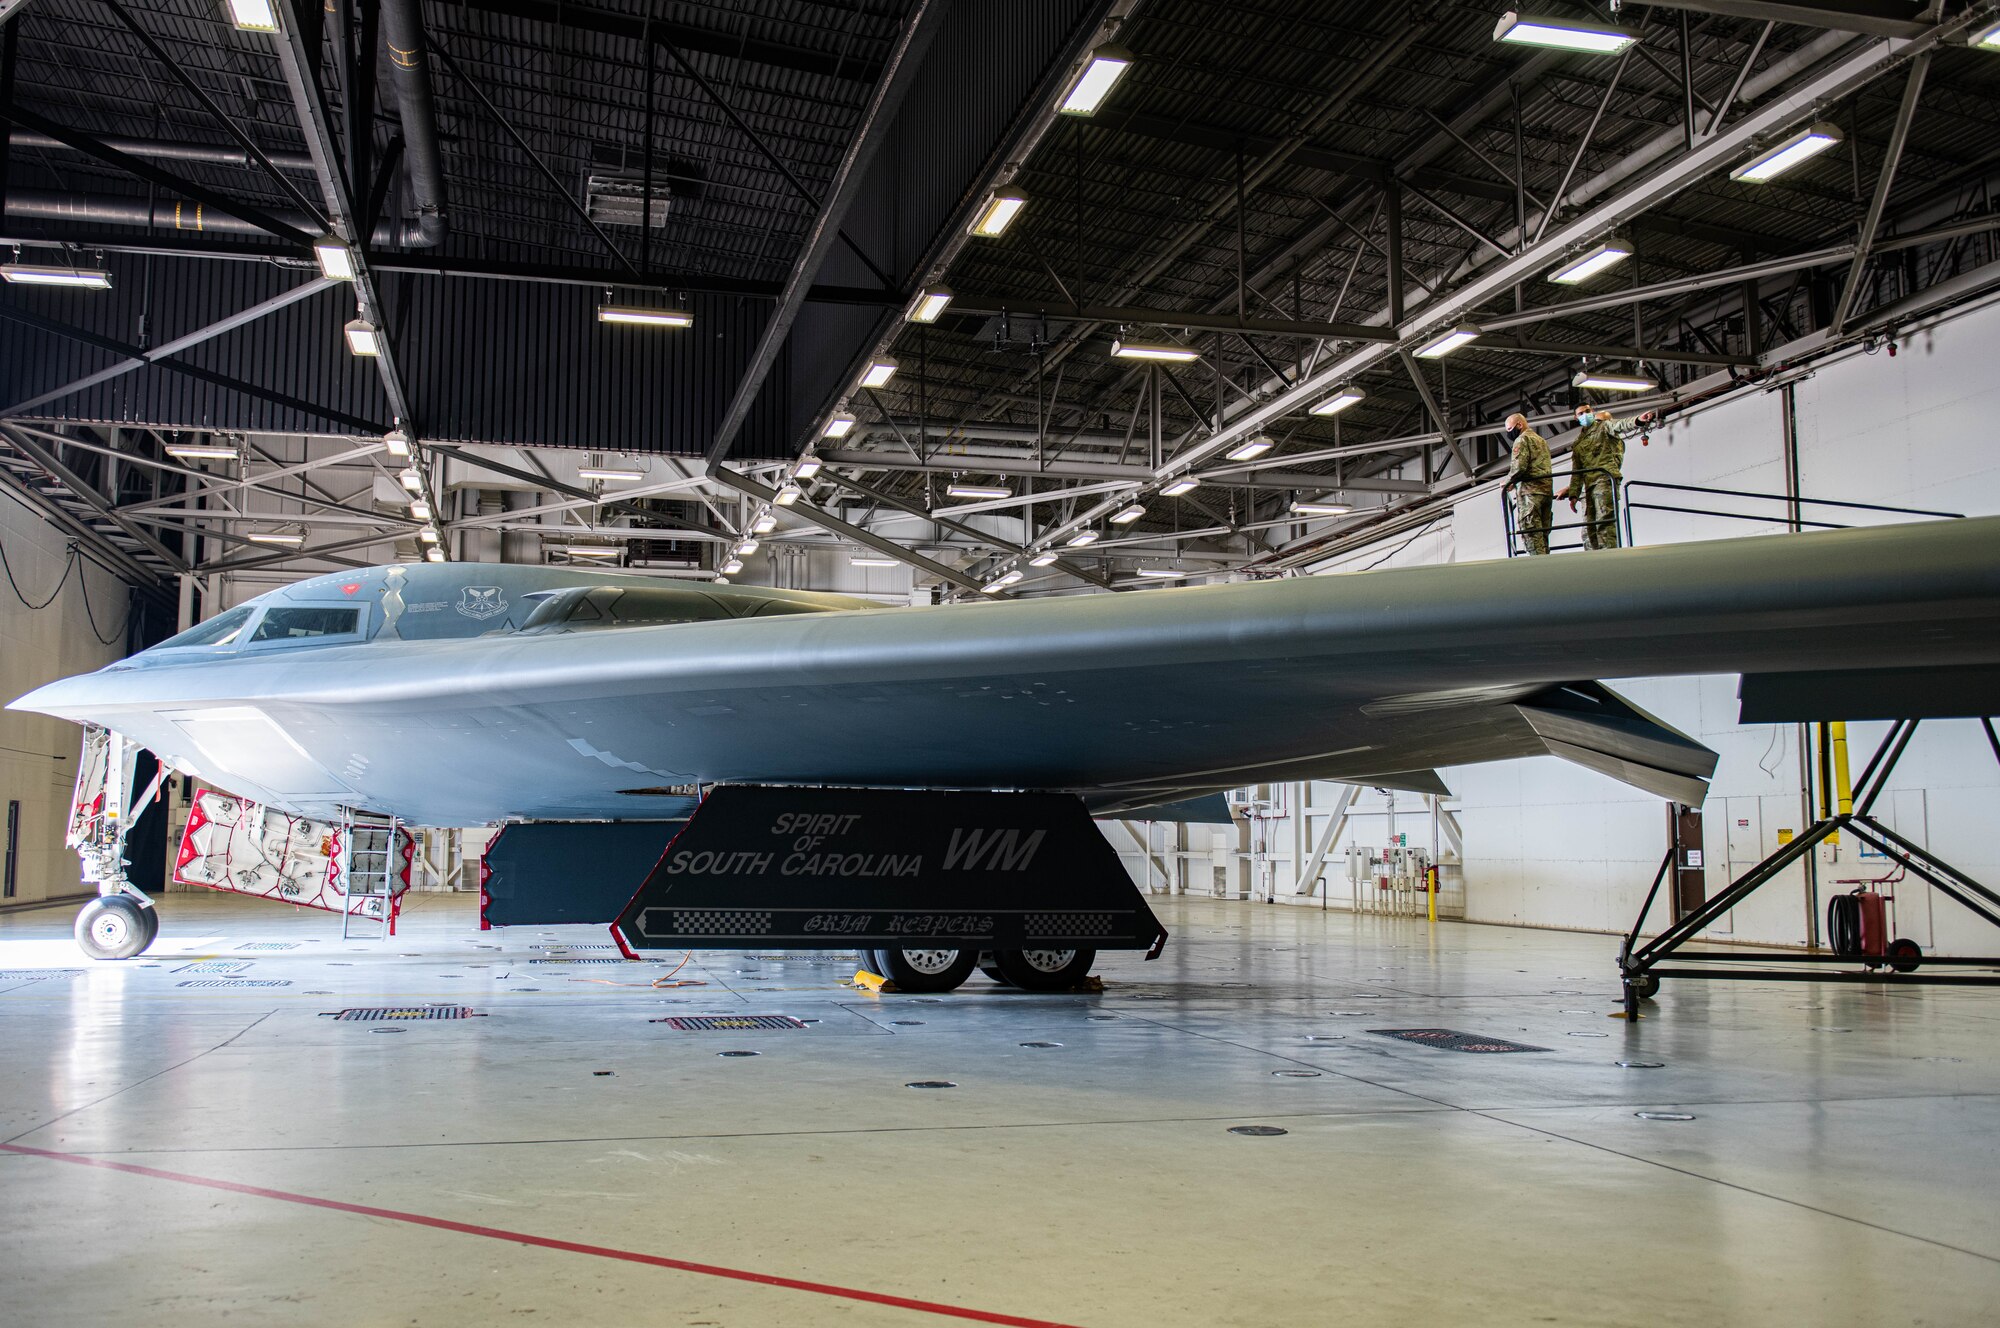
[1583,417]
[1512,433]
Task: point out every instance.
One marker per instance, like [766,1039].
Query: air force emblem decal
[481,602]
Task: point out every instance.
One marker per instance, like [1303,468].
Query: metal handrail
[1514,533]
[1790,500]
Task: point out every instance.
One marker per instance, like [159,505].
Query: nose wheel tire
[115,927]
[927,970]
[1645,985]
[1905,955]
[1044,970]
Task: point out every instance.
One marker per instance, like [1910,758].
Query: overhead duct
[179,216]
[161,150]
[409,74]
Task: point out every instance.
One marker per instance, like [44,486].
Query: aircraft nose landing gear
[116,927]
[121,922]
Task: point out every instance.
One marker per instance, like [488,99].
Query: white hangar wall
[1551,845]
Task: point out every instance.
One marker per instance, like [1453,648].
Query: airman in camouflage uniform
[1597,463]
[1532,478]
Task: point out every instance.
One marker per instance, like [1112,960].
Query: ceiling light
[362,339]
[788,494]
[1988,37]
[928,305]
[38,274]
[1044,559]
[997,213]
[764,524]
[436,554]
[1321,509]
[1800,147]
[428,534]
[1000,583]
[1107,64]
[202,451]
[637,315]
[1164,573]
[1339,401]
[396,443]
[289,540]
[1083,537]
[1250,449]
[336,260]
[253,15]
[746,548]
[1448,341]
[1126,516]
[809,464]
[410,479]
[1153,350]
[594,550]
[837,426]
[879,372]
[1175,488]
[419,510]
[1614,382]
[1592,261]
[1563,34]
[614,473]
[957,490]
[872,560]
[732,567]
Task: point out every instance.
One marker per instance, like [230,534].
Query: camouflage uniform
[1597,463]
[1534,487]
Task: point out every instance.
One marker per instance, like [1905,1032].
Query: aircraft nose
[59,698]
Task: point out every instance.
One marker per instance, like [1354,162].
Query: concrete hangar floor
[192,1140]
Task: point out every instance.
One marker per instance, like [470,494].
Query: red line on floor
[545,1242]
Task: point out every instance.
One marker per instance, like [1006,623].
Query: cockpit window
[299,624]
[220,630]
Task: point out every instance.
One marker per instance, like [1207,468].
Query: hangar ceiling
[1297,196]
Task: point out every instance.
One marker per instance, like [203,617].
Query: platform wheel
[1044,970]
[115,927]
[1644,985]
[1905,955]
[927,970]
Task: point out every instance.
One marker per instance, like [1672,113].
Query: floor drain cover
[1640,1065]
[269,945]
[1575,1034]
[30,974]
[1257,1131]
[1663,1115]
[907,1023]
[1447,1039]
[1041,1044]
[1296,1074]
[215,966]
[587,961]
[931,1083]
[739,1053]
[821,958]
[235,982]
[569,947]
[406,1012]
[726,1023]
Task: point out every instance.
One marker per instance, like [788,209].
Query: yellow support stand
[873,982]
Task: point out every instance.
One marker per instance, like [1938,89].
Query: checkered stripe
[720,922]
[1069,924]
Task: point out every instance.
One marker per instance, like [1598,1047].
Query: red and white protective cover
[234,844]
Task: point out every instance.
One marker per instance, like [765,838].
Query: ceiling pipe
[163,150]
[409,73]
[178,216]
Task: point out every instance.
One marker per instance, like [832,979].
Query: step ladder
[369,861]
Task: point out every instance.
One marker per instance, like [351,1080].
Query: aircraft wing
[1133,699]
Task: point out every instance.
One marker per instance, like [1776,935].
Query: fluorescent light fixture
[253,15]
[639,316]
[746,548]
[879,372]
[1988,37]
[40,274]
[872,560]
[1107,64]
[1083,537]
[997,213]
[732,567]
[1605,254]
[1044,559]
[1448,341]
[1153,350]
[593,550]
[788,494]
[1563,34]
[809,464]
[928,305]
[410,479]
[764,524]
[1614,382]
[362,339]
[1341,399]
[1000,583]
[1800,147]
[1127,515]
[291,541]
[202,451]
[615,474]
[1250,449]
[1303,508]
[1164,573]
[428,534]
[1175,488]
[435,555]
[419,510]
[957,490]
[396,443]
[336,260]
